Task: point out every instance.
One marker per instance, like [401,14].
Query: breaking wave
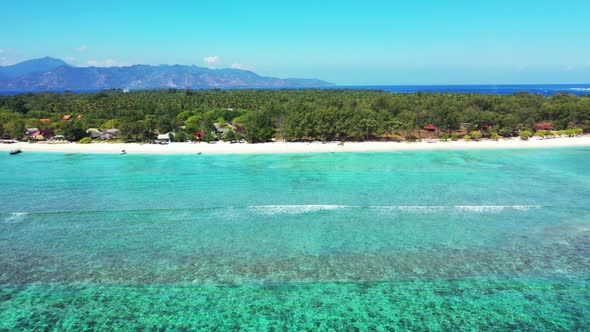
[15,217]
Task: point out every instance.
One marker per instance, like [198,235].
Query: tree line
[294,115]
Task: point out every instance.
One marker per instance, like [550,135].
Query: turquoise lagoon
[453,240]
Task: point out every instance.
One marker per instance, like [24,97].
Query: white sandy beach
[282,147]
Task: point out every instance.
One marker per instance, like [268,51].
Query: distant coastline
[490,89]
[298,147]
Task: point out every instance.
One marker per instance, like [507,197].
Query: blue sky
[346,42]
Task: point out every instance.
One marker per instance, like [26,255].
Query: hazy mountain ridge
[31,66]
[54,74]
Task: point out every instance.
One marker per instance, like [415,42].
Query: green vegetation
[85,140]
[525,135]
[232,136]
[209,137]
[476,134]
[293,115]
[570,132]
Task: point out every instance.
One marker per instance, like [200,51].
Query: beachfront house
[430,127]
[38,136]
[31,131]
[221,129]
[59,138]
[42,135]
[165,138]
[544,126]
[113,131]
[94,133]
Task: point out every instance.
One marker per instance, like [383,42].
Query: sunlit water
[460,240]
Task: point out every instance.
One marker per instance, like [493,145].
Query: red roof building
[430,127]
[543,126]
[43,134]
[45,120]
[66,118]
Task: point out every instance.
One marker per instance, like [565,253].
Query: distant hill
[48,74]
[31,66]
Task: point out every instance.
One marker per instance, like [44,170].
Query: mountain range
[49,74]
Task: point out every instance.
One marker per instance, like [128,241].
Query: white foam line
[495,208]
[15,217]
[295,209]
[299,209]
[412,208]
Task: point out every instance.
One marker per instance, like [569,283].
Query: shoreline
[297,147]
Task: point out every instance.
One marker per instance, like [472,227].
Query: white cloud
[211,60]
[241,66]
[105,63]
[81,48]
[588,63]
[8,57]
[70,59]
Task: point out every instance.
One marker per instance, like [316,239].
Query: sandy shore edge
[282,147]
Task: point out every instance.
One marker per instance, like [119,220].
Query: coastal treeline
[294,115]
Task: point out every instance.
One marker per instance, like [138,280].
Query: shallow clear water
[462,240]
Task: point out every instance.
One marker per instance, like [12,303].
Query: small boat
[17,151]
[123,152]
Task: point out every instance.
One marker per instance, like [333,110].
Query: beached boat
[17,151]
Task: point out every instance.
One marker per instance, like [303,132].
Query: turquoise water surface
[451,240]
